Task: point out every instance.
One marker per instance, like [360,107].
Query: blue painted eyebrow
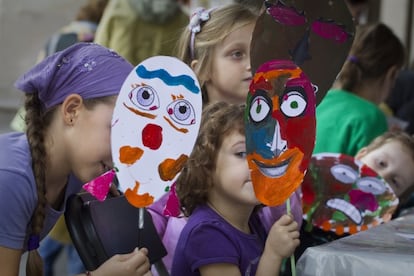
[185,80]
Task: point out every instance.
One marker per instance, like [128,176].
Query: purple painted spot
[363,200]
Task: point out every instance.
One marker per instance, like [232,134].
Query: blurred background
[25,25]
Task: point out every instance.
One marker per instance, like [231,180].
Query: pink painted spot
[172,207]
[363,200]
[286,15]
[99,187]
[330,30]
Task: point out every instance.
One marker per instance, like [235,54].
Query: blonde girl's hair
[196,179]
[222,21]
[37,122]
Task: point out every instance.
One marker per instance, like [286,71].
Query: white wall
[394,13]
[24,27]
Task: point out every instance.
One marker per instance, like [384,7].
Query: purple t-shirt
[169,228]
[209,239]
[18,195]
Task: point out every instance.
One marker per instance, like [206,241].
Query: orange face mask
[280,130]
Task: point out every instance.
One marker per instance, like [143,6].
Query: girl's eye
[395,182]
[241,154]
[382,164]
[237,54]
[145,97]
[182,112]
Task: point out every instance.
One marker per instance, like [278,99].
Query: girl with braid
[70,97]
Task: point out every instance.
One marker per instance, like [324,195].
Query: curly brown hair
[195,181]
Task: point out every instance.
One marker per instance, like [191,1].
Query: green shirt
[346,122]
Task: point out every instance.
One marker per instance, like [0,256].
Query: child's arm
[281,242]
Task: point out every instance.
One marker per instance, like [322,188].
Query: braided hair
[37,122]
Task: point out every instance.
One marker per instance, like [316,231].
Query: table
[387,249]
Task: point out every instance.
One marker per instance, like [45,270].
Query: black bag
[100,230]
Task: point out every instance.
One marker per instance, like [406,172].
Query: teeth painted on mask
[275,171]
[345,207]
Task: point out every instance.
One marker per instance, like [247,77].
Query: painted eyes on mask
[344,173]
[182,112]
[348,175]
[259,109]
[293,103]
[371,185]
[145,97]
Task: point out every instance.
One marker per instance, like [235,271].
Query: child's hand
[283,237]
[135,263]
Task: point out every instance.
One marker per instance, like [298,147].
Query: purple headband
[353,59]
[200,15]
[87,69]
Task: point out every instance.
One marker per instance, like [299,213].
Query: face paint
[280,129]
[156,121]
[343,195]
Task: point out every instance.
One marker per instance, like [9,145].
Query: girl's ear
[392,73]
[388,80]
[361,153]
[193,64]
[71,107]
[202,76]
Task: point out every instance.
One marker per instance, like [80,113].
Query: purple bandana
[87,69]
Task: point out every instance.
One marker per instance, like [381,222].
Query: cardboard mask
[342,195]
[155,124]
[280,129]
[316,35]
[297,49]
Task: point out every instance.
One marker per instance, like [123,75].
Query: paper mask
[280,129]
[155,125]
[342,195]
[316,35]
[297,49]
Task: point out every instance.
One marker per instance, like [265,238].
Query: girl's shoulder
[15,153]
